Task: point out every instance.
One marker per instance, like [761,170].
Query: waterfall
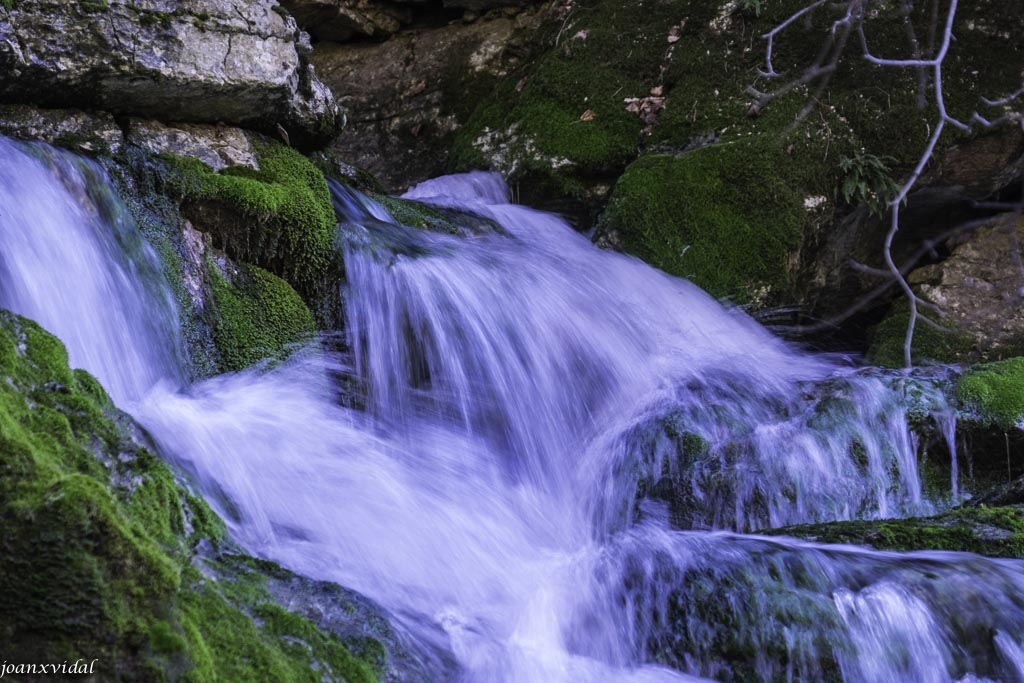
[555,455]
[72,259]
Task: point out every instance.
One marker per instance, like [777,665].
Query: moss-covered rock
[535,126]
[612,82]
[721,216]
[997,532]
[930,344]
[995,392]
[279,217]
[99,540]
[255,315]
[445,220]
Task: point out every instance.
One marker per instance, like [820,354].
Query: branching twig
[827,62]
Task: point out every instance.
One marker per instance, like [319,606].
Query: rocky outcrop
[406,97]
[613,82]
[980,287]
[832,281]
[978,292]
[238,62]
[84,132]
[997,532]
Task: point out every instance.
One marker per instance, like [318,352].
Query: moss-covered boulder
[255,315]
[279,217]
[995,392]
[100,545]
[613,82]
[996,532]
[721,216]
[559,124]
[939,344]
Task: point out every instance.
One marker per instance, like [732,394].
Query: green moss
[280,217]
[701,62]
[444,220]
[536,114]
[256,316]
[929,343]
[997,532]
[98,541]
[721,216]
[141,184]
[81,570]
[243,635]
[7,4]
[995,391]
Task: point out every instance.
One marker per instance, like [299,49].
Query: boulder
[832,284]
[978,290]
[237,62]
[980,287]
[406,97]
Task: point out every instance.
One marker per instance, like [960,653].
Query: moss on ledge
[996,532]
[99,542]
[256,315]
[929,344]
[995,391]
[720,216]
[280,217]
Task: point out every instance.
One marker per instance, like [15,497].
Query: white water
[71,260]
[520,390]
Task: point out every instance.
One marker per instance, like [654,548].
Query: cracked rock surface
[237,62]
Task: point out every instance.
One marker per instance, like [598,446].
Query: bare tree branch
[833,48]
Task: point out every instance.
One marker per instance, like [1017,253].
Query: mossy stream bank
[108,556]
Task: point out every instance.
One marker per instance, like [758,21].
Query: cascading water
[72,260]
[522,391]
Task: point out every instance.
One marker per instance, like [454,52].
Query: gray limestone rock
[237,62]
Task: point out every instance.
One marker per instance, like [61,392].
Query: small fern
[868,180]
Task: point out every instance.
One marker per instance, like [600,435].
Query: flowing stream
[556,456]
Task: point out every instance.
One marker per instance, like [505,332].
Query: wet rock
[996,532]
[208,61]
[365,627]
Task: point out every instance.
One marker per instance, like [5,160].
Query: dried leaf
[582,35]
[588,115]
[657,90]
[520,85]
